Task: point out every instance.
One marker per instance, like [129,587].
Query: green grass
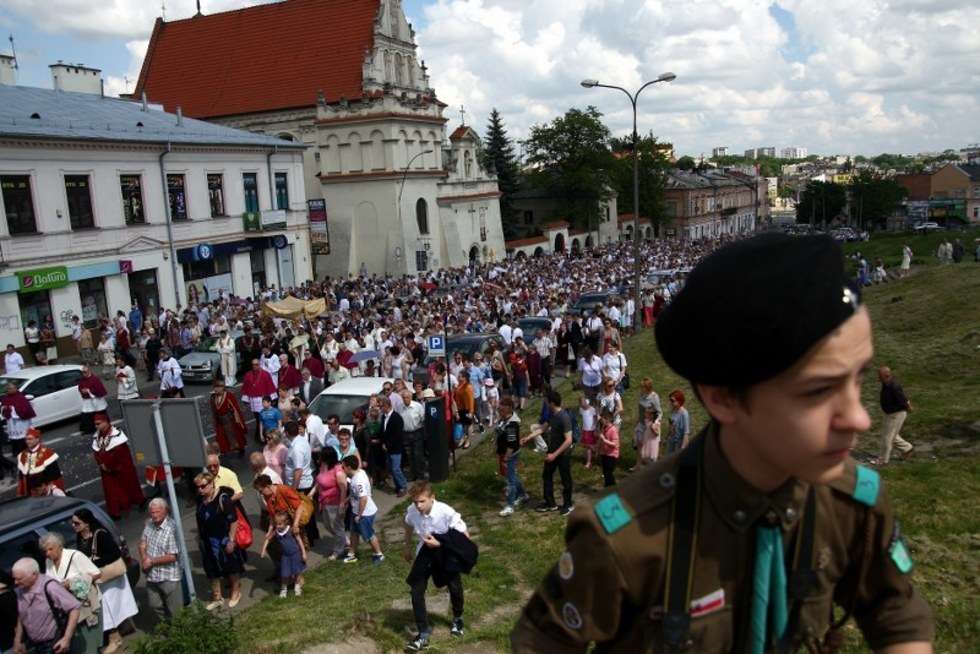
[927,328]
[888,246]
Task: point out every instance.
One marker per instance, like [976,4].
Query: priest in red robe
[289,376]
[93,393]
[257,384]
[17,410]
[314,365]
[37,466]
[228,419]
[120,485]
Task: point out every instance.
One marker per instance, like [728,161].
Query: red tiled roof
[261,58]
[516,243]
[556,224]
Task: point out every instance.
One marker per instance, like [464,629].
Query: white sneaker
[299,590]
[283,592]
[508,510]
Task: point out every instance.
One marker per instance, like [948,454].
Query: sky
[834,76]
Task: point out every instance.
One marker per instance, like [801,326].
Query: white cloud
[876,74]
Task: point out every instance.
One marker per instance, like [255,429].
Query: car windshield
[342,405]
[207,345]
[16,381]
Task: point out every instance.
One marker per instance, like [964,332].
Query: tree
[571,160]
[498,157]
[653,166]
[874,199]
[821,203]
[686,163]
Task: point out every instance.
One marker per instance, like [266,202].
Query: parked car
[467,344]
[587,302]
[203,362]
[345,397]
[52,391]
[928,226]
[25,519]
[848,234]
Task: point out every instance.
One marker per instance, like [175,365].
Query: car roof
[357,386]
[21,510]
[28,374]
[462,338]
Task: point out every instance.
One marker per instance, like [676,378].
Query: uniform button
[739,516]
[791,514]
[667,480]
[771,517]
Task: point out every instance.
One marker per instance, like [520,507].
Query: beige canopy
[294,308]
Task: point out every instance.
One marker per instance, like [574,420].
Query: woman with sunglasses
[217,521]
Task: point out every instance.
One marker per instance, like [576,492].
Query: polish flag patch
[708,604]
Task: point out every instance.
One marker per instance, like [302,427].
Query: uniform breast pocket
[709,634]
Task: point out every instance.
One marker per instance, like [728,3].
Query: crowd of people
[315,478]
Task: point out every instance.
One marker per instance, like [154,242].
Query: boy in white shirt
[589,441]
[425,519]
[364,510]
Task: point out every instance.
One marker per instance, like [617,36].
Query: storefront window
[35,306]
[257,259]
[143,287]
[18,204]
[177,197]
[91,292]
[216,194]
[251,186]
[132,195]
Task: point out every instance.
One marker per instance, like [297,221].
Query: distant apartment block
[721,151]
[793,153]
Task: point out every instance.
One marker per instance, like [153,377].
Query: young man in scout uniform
[745,540]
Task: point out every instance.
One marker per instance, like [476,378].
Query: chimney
[76,78]
[180,116]
[143,100]
[8,70]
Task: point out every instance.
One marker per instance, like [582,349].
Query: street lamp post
[401,186]
[589,84]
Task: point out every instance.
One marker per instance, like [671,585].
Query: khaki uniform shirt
[609,587]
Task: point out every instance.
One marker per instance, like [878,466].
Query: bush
[195,629]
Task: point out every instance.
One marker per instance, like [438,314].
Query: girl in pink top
[609,445]
[331,494]
[275,452]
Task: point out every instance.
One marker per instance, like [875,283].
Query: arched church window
[399,70]
[389,72]
[467,164]
[422,215]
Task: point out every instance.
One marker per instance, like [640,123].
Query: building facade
[713,203]
[793,153]
[401,196]
[955,193]
[89,185]
[721,151]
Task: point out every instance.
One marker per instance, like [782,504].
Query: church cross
[462,115]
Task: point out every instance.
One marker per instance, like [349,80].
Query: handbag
[111,571]
[243,530]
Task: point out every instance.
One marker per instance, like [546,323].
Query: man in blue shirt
[135,319]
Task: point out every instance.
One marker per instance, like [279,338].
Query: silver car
[203,362]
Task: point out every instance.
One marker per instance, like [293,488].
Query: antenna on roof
[198,7]
[163,9]
[13,51]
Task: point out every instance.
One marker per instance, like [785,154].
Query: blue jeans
[515,488]
[395,463]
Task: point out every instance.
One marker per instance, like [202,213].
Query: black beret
[753,308]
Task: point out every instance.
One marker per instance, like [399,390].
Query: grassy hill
[926,327]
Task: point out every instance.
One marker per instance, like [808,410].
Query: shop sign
[126,266]
[251,222]
[279,241]
[202,252]
[319,236]
[42,279]
[274,219]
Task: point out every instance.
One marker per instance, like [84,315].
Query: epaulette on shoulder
[649,488]
[859,482]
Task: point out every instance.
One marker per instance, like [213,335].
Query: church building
[344,78]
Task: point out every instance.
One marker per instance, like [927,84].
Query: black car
[25,519]
[466,344]
[530,326]
[587,302]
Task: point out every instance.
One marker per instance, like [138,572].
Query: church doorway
[588,241]
[538,251]
[576,247]
[474,255]
[559,242]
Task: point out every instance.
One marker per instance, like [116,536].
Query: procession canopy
[294,308]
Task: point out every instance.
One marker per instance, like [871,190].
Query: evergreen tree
[498,157]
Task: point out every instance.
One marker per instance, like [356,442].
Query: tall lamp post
[590,84]
[401,186]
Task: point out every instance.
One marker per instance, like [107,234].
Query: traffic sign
[437,346]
